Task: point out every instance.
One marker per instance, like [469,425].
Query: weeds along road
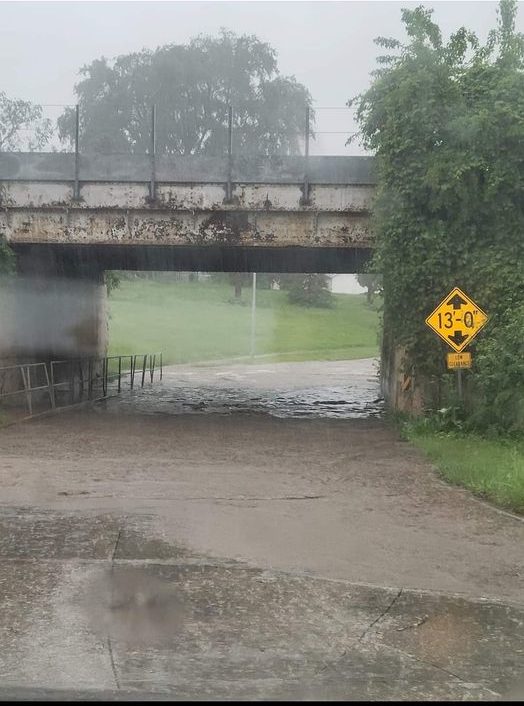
[231,497]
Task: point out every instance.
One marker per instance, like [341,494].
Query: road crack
[111,657]
[379,618]
[446,671]
[386,610]
[115,548]
[109,644]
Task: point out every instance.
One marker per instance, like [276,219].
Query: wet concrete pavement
[183,625]
[223,555]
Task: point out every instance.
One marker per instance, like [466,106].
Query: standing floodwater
[346,389]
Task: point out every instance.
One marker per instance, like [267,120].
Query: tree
[7,258]
[112,280]
[239,280]
[18,117]
[21,125]
[371,282]
[192,86]
[446,122]
[307,289]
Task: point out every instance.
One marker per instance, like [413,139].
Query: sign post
[457,320]
[459,384]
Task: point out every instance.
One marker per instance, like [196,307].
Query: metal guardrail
[24,373]
[67,382]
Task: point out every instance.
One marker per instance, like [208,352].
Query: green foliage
[16,116]
[446,420]
[308,290]
[491,468]
[192,86]
[372,282]
[499,392]
[112,281]
[7,258]
[446,121]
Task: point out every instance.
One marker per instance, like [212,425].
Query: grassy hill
[196,321]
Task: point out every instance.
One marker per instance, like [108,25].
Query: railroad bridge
[70,217]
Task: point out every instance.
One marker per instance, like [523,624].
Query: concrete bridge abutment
[51,312]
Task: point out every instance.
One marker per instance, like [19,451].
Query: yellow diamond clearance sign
[457,319]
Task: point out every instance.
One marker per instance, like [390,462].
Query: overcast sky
[326,45]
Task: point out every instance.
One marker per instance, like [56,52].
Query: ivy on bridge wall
[446,122]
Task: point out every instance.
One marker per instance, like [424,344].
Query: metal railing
[28,376]
[336,121]
[228,127]
[62,383]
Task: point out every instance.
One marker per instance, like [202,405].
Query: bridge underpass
[200,214]
[79,218]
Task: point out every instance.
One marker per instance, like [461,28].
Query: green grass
[195,321]
[493,469]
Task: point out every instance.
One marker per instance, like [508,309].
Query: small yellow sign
[457,319]
[459,360]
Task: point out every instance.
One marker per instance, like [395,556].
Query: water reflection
[341,389]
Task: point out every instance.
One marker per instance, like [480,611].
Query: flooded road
[249,532]
[345,389]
